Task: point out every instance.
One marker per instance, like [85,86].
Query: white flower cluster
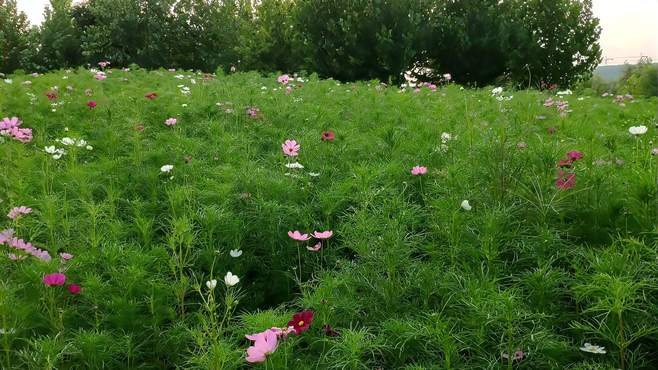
[57,153]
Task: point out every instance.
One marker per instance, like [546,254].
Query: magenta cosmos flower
[74,289]
[296,235]
[18,211]
[290,148]
[264,344]
[91,104]
[56,279]
[565,180]
[574,155]
[419,170]
[171,121]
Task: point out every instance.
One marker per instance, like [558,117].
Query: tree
[361,39]
[554,41]
[14,37]
[60,42]
[467,38]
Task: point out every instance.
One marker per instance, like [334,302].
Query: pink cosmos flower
[323,235]
[264,344]
[74,289]
[419,170]
[283,79]
[10,127]
[549,102]
[100,76]
[56,279]
[66,256]
[296,235]
[104,63]
[565,180]
[18,211]
[575,155]
[253,112]
[8,123]
[290,148]
[315,248]
[171,121]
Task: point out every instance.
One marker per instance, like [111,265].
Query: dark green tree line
[476,41]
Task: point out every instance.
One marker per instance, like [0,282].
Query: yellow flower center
[300,323]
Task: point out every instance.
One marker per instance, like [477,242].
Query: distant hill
[610,73]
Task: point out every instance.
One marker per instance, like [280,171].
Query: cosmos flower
[56,279]
[231,279]
[591,348]
[418,170]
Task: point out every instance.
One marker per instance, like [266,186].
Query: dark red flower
[74,289]
[328,136]
[151,95]
[91,104]
[328,330]
[51,95]
[565,180]
[551,130]
[301,321]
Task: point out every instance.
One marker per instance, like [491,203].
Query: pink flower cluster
[562,106]
[9,127]
[320,235]
[266,342]
[7,237]
[16,212]
[418,170]
[59,279]
[283,79]
[567,180]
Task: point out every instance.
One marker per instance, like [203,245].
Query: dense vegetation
[639,80]
[469,228]
[477,41]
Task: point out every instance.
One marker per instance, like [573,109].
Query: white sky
[629,27]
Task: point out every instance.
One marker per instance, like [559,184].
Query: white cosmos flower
[9,81]
[565,92]
[211,284]
[231,279]
[67,141]
[591,348]
[81,143]
[167,168]
[465,205]
[50,149]
[294,165]
[445,137]
[89,147]
[638,130]
[235,253]
[314,174]
[497,91]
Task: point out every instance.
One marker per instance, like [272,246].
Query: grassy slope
[409,279]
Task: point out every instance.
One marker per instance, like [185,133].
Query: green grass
[410,280]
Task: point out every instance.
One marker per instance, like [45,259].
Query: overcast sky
[629,27]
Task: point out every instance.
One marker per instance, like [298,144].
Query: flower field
[169,219]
